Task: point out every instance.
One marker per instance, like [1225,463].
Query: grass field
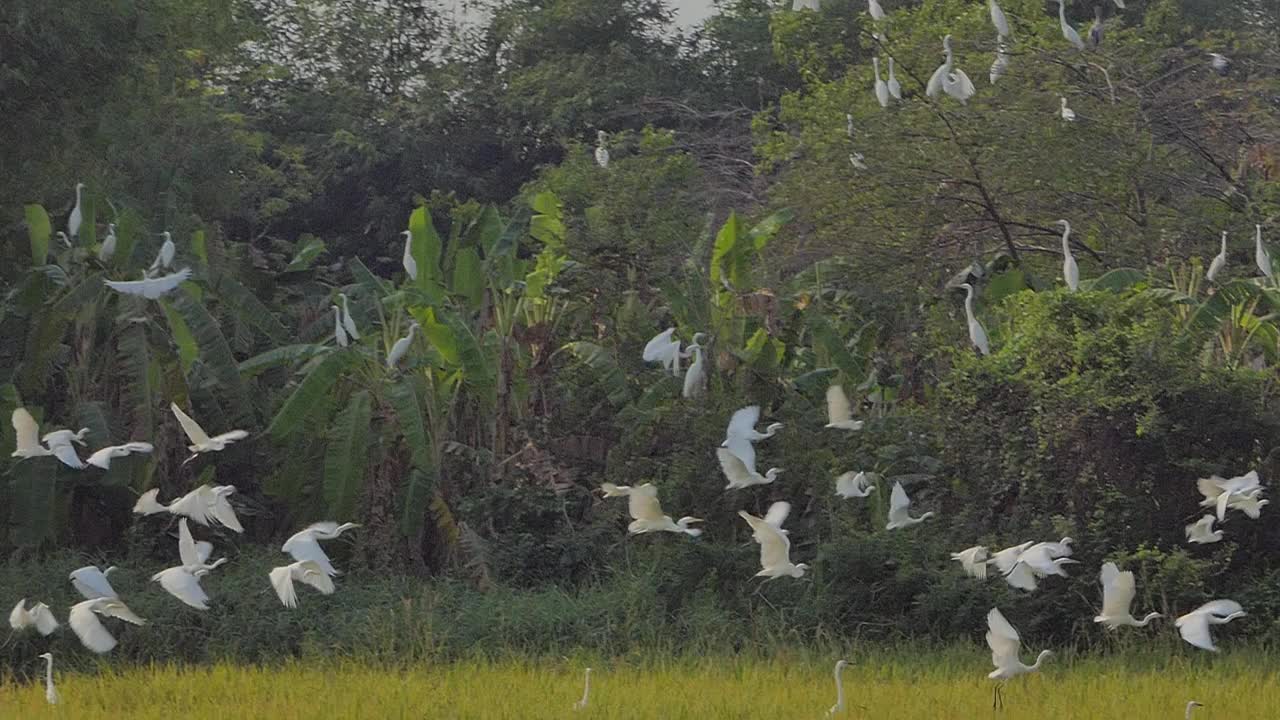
[1231,687]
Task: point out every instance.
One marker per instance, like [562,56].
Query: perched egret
[150,288]
[164,258]
[739,475]
[839,706]
[1194,626]
[695,378]
[848,125]
[741,435]
[200,440]
[949,79]
[38,616]
[1220,492]
[50,692]
[898,506]
[92,583]
[339,332]
[839,411]
[84,621]
[877,12]
[348,323]
[102,458]
[663,348]
[1005,643]
[1202,532]
[76,219]
[973,560]
[895,87]
[1070,271]
[410,265]
[882,89]
[775,546]
[602,152]
[1001,63]
[854,485]
[998,19]
[1261,256]
[857,160]
[1220,63]
[1065,112]
[1117,595]
[60,444]
[977,333]
[307,571]
[1219,260]
[108,248]
[26,436]
[205,505]
[305,544]
[586,693]
[646,511]
[401,347]
[1191,706]
[1068,32]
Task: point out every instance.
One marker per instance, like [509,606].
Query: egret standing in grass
[899,504]
[1219,260]
[586,693]
[1068,32]
[1118,589]
[76,219]
[1070,271]
[50,692]
[401,347]
[949,79]
[201,442]
[839,411]
[839,706]
[775,546]
[1194,626]
[977,333]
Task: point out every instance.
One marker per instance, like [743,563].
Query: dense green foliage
[286,149]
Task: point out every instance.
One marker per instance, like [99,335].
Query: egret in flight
[998,19]
[949,79]
[899,503]
[164,258]
[1001,63]
[150,288]
[1118,590]
[205,505]
[92,583]
[1202,532]
[50,692]
[1070,271]
[60,444]
[306,571]
[108,248]
[1068,32]
[26,436]
[102,458]
[76,219]
[739,475]
[895,87]
[305,544]
[1005,644]
[839,706]
[775,546]
[741,435]
[1219,260]
[646,511]
[854,485]
[882,89]
[38,616]
[839,411]
[876,12]
[410,265]
[1194,626]
[1065,112]
[1220,493]
[183,581]
[977,333]
[973,560]
[586,693]
[200,440]
[663,348]
[602,152]
[84,621]
[1261,256]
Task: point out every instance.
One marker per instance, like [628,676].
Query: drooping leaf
[182,337]
[373,285]
[142,378]
[215,354]
[310,393]
[309,248]
[468,277]
[39,231]
[200,247]
[32,491]
[764,230]
[277,357]
[612,379]
[346,455]
[248,309]
[724,250]
[1006,283]
[407,398]
[46,333]
[1115,280]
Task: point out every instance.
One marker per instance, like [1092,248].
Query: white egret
[998,19]
[38,616]
[92,583]
[1001,63]
[1191,706]
[899,503]
[1249,504]
[695,378]
[977,333]
[339,332]
[1202,532]
[348,323]
[973,560]
[586,693]
[602,152]
[410,265]
[84,621]
[1118,590]
[882,90]
[401,347]
[1220,63]
[205,505]
[741,435]
[1194,626]
[1219,260]
[1220,492]
[1006,559]
[1005,643]
[664,349]
[200,440]
[108,249]
[306,571]
[26,436]
[194,554]
[50,692]
[646,511]
[948,79]
[62,238]
[1065,112]
[150,288]
[739,475]
[184,583]
[839,411]
[1119,4]
[1070,271]
[1261,256]
[1095,30]
[102,458]
[857,161]
[60,444]
[1039,560]
[775,546]
[1068,32]
[877,12]
[895,87]
[848,125]
[839,706]
[854,485]
[164,258]
[76,219]
[305,544]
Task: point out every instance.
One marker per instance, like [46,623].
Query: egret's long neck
[968,303]
[48,672]
[1224,243]
[1066,234]
[839,690]
[1143,622]
[1062,11]
[586,689]
[1039,659]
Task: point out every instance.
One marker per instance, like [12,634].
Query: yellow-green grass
[727,687]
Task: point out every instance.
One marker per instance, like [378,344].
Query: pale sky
[690,12]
